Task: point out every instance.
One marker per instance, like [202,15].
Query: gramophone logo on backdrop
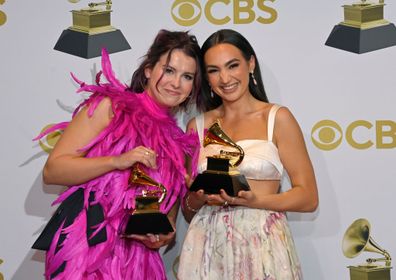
[3,16]
[358,239]
[91,31]
[220,12]
[364,29]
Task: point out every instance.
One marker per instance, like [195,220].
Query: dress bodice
[261,161]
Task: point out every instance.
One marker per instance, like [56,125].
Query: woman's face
[228,71]
[177,79]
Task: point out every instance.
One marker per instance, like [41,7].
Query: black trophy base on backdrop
[148,223]
[358,40]
[217,177]
[88,46]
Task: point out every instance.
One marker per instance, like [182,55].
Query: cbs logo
[219,12]
[1,274]
[48,142]
[361,134]
[3,16]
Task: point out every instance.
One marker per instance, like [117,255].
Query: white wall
[315,81]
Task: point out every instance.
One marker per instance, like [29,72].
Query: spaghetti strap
[199,121]
[271,121]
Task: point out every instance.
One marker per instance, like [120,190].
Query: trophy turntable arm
[387,259]
[379,1]
[108,4]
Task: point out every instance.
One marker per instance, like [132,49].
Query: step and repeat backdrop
[333,63]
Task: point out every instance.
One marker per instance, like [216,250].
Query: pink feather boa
[137,120]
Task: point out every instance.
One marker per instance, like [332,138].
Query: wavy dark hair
[166,42]
[228,36]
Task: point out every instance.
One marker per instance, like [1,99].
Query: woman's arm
[303,195]
[193,201]
[66,165]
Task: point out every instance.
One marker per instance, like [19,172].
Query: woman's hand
[215,199]
[141,154]
[196,199]
[244,198]
[154,241]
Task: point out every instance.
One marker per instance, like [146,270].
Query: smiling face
[171,84]
[228,71]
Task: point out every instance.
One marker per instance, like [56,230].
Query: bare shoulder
[286,125]
[96,121]
[284,116]
[211,116]
[104,108]
[191,125]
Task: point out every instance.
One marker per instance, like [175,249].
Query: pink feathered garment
[137,120]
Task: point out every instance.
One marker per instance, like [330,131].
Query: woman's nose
[176,82]
[224,77]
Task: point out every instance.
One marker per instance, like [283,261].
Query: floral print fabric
[238,243]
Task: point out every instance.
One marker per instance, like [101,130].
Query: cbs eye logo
[220,12]
[3,16]
[48,142]
[1,274]
[361,134]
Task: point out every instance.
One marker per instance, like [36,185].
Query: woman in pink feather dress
[117,127]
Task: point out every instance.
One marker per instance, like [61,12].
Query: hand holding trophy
[146,217]
[221,170]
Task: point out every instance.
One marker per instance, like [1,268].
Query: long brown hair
[166,42]
[232,37]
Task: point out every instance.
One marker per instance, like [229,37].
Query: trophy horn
[141,178]
[215,135]
[357,239]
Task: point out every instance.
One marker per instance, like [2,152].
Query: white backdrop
[315,81]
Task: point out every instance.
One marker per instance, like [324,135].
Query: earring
[253,78]
[211,93]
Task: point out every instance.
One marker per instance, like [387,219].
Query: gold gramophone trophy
[364,28]
[356,240]
[91,31]
[221,170]
[146,217]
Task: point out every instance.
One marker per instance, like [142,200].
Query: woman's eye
[234,65]
[168,70]
[189,77]
[210,71]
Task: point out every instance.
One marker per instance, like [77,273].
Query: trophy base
[88,46]
[148,223]
[212,182]
[369,272]
[358,40]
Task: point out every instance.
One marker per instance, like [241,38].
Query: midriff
[264,187]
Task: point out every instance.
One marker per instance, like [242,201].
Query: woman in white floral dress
[246,236]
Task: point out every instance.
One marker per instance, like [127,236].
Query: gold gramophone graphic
[91,31]
[146,217]
[364,28]
[357,239]
[221,170]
